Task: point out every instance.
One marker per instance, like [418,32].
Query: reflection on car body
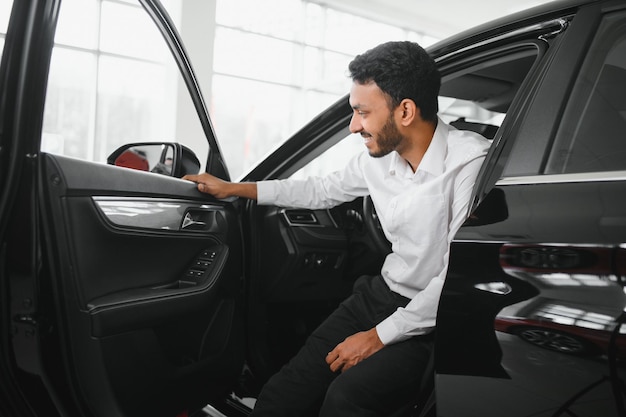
[574,321]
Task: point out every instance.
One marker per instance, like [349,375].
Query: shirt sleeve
[419,315]
[316,192]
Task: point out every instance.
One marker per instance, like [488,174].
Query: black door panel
[149,280]
[80,177]
[133,309]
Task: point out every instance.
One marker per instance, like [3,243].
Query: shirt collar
[433,161]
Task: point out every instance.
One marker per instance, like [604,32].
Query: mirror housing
[167,158]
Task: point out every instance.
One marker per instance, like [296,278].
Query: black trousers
[377,386]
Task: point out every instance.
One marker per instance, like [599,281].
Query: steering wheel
[373,227]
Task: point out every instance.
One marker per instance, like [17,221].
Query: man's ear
[408,112]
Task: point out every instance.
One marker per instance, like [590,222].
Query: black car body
[198,301]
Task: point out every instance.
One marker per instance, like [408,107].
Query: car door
[531,319]
[123,289]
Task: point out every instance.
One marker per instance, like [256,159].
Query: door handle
[203,220]
[193,221]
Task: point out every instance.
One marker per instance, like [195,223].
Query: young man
[368,357]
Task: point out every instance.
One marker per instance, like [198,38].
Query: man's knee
[346,397]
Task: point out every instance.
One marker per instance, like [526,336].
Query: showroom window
[112,81]
[274,71]
[591,137]
[5,12]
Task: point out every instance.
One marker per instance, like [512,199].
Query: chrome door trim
[148,213]
[564,178]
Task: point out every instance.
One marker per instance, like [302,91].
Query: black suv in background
[129,293]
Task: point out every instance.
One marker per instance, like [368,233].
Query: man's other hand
[353,350]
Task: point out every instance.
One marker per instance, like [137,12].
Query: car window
[475,98]
[591,135]
[114,81]
[451,110]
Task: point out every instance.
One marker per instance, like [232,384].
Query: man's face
[373,119]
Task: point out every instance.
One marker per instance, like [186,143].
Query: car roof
[506,24]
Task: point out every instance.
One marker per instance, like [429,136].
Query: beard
[387,140]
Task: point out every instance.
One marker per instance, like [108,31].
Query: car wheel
[554,340]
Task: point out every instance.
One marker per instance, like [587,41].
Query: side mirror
[167,158]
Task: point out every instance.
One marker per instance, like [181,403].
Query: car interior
[316,255]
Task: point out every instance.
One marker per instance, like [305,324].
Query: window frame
[611,31]
[538,117]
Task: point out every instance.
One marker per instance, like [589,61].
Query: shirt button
[392,172]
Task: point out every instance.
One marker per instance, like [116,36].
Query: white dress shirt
[419,212]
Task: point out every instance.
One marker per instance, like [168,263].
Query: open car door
[121,289]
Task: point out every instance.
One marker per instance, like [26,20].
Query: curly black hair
[401,70]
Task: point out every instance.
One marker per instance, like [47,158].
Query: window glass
[314,25]
[69,118]
[262,58]
[77,22]
[450,110]
[278,18]
[591,135]
[325,70]
[252,123]
[5,13]
[453,109]
[362,35]
[333,159]
[121,86]
[127,30]
[127,87]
